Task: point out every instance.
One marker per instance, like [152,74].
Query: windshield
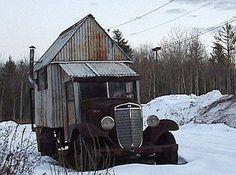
[121,90]
[108,90]
[93,90]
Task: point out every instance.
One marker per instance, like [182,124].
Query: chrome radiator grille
[129,125]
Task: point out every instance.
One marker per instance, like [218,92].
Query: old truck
[85,97]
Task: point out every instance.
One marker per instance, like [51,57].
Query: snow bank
[212,107]
[221,111]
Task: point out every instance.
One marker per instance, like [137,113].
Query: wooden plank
[76,45]
[86,43]
[37,106]
[54,101]
[64,78]
[57,107]
[49,94]
[77,102]
[60,96]
[80,56]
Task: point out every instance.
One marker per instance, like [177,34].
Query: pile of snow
[221,111]
[212,107]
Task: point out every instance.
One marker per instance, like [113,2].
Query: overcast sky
[39,22]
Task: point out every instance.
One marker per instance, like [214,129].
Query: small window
[42,79]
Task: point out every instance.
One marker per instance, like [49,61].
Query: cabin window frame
[42,79]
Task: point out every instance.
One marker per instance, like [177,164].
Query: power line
[171,20]
[139,17]
[203,32]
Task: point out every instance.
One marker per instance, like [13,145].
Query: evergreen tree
[14,97]
[226,39]
[218,54]
[8,77]
[219,64]
[8,70]
[122,42]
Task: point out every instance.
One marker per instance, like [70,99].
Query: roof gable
[84,41]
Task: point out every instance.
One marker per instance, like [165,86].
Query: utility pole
[31,86]
[155,49]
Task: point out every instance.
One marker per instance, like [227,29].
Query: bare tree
[197,53]
[142,58]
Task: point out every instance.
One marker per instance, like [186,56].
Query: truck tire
[170,157]
[84,153]
[80,152]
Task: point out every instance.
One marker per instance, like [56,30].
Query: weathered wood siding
[90,43]
[43,104]
[50,103]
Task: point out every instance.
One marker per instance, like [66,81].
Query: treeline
[14,93]
[183,65]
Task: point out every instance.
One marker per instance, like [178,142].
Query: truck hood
[94,110]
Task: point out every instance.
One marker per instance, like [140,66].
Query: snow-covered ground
[208,148]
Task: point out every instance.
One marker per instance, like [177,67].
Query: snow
[204,141]
[208,149]
[17,149]
[212,107]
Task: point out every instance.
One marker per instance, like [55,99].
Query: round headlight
[153,121]
[107,123]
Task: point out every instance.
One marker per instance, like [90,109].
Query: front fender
[151,135]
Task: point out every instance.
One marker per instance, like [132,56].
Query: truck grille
[129,125]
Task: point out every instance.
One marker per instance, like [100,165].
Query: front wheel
[84,154]
[168,157]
